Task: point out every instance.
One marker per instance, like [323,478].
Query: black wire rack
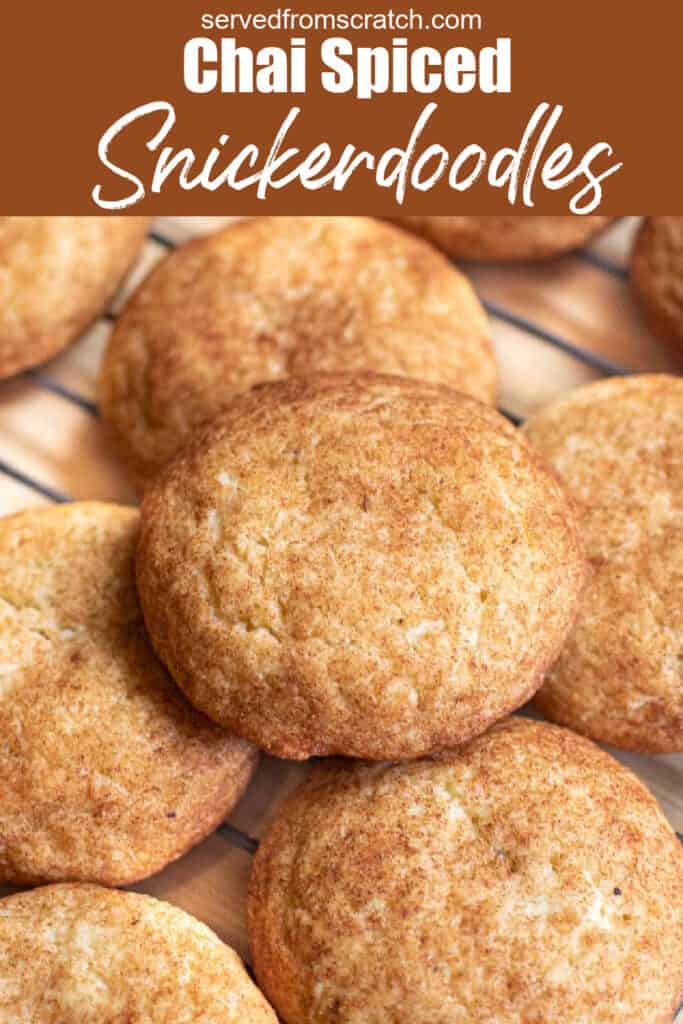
[235,836]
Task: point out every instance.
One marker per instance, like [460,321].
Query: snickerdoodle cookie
[618,444]
[505,238]
[56,275]
[278,297]
[528,877]
[106,772]
[657,276]
[80,954]
[358,564]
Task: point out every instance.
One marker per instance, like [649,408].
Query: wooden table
[556,325]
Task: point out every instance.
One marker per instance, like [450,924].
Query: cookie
[80,954]
[278,297]
[619,446]
[657,277]
[361,565]
[528,877]
[106,772]
[505,238]
[57,274]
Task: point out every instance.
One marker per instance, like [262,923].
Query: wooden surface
[538,313]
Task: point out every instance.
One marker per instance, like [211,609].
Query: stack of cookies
[345,552]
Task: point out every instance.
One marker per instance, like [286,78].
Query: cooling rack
[556,325]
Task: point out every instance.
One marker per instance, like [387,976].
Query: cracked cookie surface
[618,445]
[107,772]
[56,275]
[505,238]
[527,877]
[361,565]
[80,954]
[276,297]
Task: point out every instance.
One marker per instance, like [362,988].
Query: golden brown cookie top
[56,275]
[657,276]
[107,772]
[277,297]
[528,877]
[505,238]
[80,954]
[358,564]
[618,444]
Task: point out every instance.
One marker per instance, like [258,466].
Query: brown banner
[523,107]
